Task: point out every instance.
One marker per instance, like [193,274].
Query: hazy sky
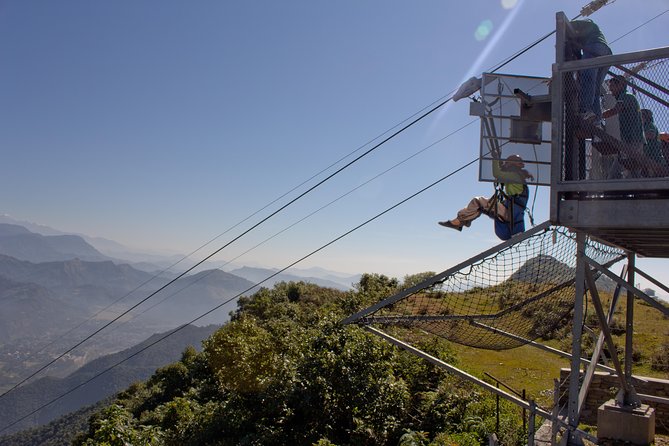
[161,124]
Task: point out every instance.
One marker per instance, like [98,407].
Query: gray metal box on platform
[515,120]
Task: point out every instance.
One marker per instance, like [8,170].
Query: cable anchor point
[594,6]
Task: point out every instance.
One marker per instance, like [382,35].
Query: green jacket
[514,181]
[587,32]
[629,115]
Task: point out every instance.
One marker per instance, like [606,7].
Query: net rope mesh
[526,289]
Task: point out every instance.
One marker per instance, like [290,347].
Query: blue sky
[161,124]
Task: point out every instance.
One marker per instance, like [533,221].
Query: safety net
[518,293]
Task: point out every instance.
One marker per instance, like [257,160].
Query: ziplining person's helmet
[515,158]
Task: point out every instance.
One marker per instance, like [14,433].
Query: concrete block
[626,424]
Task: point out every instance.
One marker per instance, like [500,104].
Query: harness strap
[498,196]
[512,198]
[511,201]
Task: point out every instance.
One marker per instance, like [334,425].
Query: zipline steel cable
[295,223]
[248,217]
[276,273]
[350,231]
[254,226]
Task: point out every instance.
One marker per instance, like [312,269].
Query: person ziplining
[515,114]
[506,206]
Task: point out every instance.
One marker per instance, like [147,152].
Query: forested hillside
[57,433]
[285,371]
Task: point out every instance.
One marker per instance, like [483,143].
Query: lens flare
[483,30]
[475,68]
[508,4]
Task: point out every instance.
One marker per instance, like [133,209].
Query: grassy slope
[520,368]
[534,370]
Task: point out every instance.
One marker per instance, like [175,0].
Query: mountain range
[18,242]
[49,244]
[58,288]
[47,305]
[261,274]
[45,308]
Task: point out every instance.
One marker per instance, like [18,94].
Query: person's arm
[510,175]
[624,102]
[613,110]
[496,169]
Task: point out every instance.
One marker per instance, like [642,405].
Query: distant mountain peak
[30,226]
[8,229]
[19,242]
[543,268]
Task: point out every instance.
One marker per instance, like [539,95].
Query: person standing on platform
[591,41]
[631,129]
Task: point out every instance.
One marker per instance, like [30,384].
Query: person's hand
[527,175]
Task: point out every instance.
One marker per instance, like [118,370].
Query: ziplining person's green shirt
[514,182]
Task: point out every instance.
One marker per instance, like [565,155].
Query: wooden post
[531,424]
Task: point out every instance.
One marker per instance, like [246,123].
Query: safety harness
[516,206]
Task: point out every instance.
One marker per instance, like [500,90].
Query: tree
[246,357]
[415,279]
[114,426]
[285,370]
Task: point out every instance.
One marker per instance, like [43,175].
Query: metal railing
[624,147]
